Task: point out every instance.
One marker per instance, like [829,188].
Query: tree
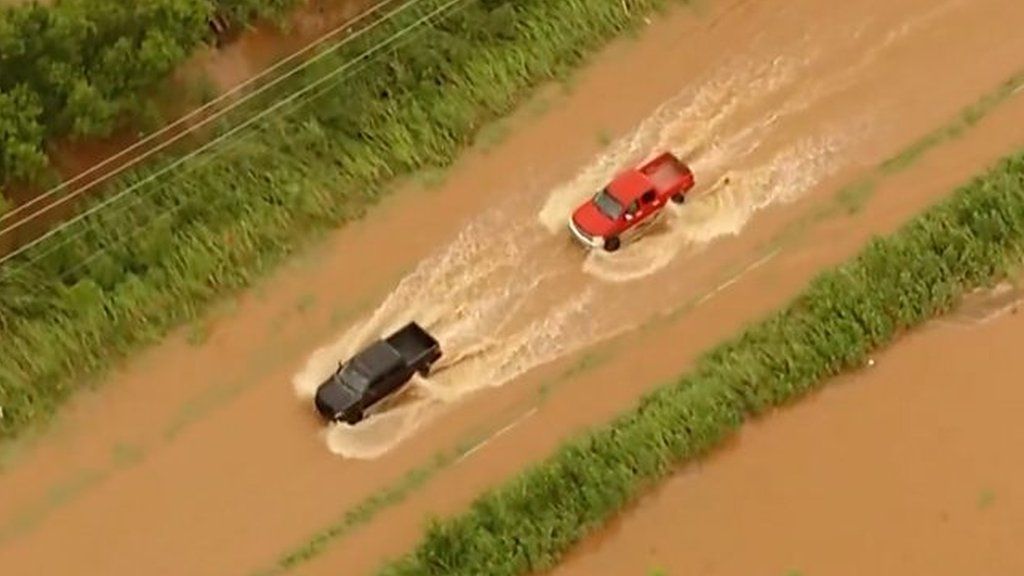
[21,135]
[80,67]
[88,112]
[5,205]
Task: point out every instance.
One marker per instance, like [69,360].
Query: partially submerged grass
[986,499]
[968,118]
[359,515]
[125,454]
[852,198]
[305,303]
[366,510]
[198,333]
[493,135]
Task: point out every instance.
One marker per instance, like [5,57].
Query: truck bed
[377,360]
[665,171]
[413,343]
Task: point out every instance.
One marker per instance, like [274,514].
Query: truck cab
[631,200]
[378,371]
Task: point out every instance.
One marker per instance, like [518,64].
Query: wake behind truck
[378,371]
[630,202]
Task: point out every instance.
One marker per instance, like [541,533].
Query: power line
[89,185]
[341,70]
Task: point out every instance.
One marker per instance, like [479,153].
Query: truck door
[633,212]
[648,204]
[649,200]
[645,207]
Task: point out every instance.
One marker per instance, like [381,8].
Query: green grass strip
[967,119]
[968,241]
[853,197]
[218,223]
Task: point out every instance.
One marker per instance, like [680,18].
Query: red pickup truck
[630,202]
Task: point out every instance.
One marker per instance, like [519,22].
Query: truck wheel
[424,371]
[612,243]
[679,198]
[354,417]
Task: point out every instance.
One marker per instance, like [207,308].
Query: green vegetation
[969,241]
[244,11]
[853,197]
[125,275]
[82,68]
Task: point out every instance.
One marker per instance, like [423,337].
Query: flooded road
[763,128]
[204,456]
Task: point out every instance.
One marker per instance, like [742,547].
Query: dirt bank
[904,468]
[198,459]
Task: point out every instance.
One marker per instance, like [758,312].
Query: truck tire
[354,417]
[423,371]
[679,198]
[612,243]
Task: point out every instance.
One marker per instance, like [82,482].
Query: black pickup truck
[376,372]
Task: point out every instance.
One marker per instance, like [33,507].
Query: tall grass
[895,284]
[215,224]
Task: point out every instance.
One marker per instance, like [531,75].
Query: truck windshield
[608,205]
[354,378]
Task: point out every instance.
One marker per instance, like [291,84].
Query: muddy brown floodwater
[908,467]
[200,459]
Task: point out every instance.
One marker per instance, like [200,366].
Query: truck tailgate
[413,343]
[666,171]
